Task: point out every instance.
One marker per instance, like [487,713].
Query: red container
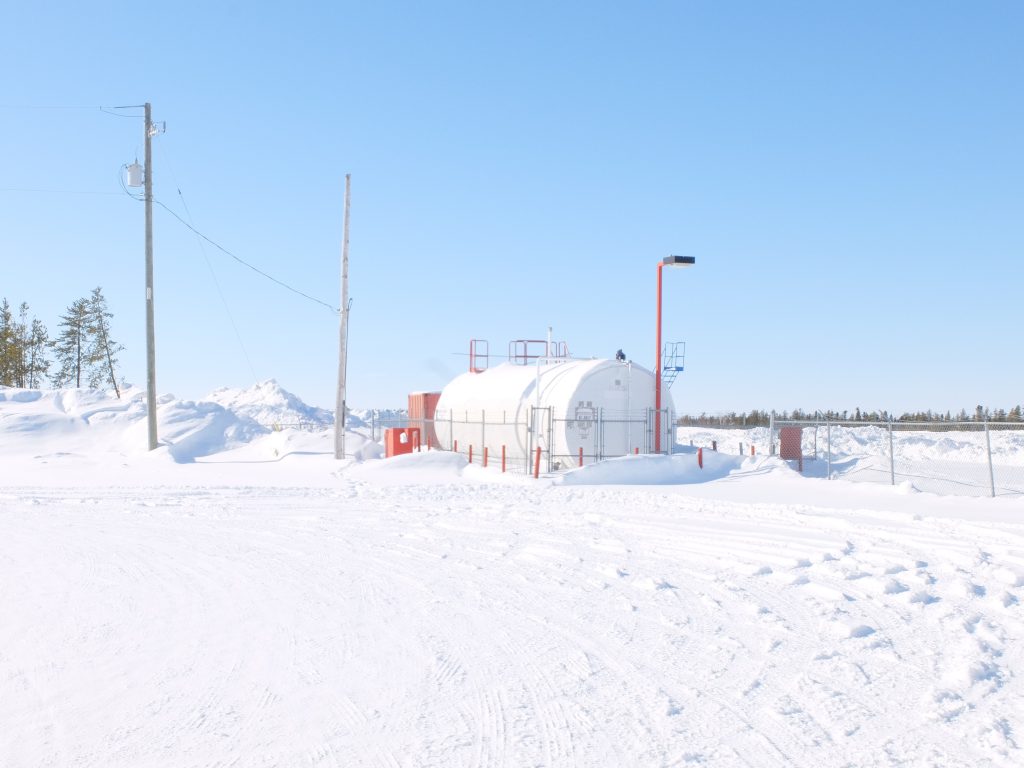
[421,414]
[399,440]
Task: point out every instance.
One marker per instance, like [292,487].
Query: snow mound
[270,405]
[429,467]
[364,417]
[59,425]
[679,469]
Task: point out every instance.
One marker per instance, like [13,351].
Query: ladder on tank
[672,358]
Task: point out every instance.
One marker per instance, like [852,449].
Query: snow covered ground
[238,597]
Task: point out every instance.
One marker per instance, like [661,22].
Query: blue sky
[848,175]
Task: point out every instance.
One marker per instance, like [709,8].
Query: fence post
[892,456]
[456,448]
[483,430]
[741,449]
[502,457]
[751,449]
[771,434]
[714,445]
[530,424]
[991,474]
[551,439]
[536,463]
[828,438]
[581,455]
[700,458]
[470,453]
[485,456]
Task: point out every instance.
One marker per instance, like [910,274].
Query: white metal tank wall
[493,408]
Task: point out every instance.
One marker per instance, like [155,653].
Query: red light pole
[668,261]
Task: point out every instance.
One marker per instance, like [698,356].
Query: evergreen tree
[7,345]
[37,363]
[70,346]
[20,335]
[101,354]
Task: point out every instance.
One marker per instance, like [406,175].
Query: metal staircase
[672,358]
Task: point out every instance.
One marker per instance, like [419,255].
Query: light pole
[668,261]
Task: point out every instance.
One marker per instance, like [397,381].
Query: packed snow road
[467,623]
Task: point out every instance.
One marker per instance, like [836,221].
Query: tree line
[756,418]
[82,354]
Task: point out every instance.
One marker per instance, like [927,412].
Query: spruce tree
[7,345]
[70,346]
[37,362]
[101,354]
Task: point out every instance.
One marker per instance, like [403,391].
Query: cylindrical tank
[605,407]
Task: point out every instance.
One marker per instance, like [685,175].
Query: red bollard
[581,455]
[751,450]
[456,446]
[503,458]
[471,453]
[485,456]
[536,464]
[700,458]
[636,451]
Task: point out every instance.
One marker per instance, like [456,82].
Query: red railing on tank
[479,355]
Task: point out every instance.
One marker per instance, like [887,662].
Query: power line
[72,107]
[56,191]
[243,262]
[221,248]
[220,292]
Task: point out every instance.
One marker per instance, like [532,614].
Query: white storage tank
[605,407]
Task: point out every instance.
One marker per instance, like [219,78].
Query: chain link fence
[536,440]
[967,458]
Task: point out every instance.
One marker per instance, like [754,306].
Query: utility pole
[150,130]
[150,332]
[339,408]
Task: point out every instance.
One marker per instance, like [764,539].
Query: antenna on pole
[339,409]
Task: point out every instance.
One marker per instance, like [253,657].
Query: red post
[470,453]
[503,458]
[456,446]
[485,455]
[581,455]
[536,464]
[636,451]
[700,458]
[751,450]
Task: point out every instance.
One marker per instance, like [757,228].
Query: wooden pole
[339,405]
